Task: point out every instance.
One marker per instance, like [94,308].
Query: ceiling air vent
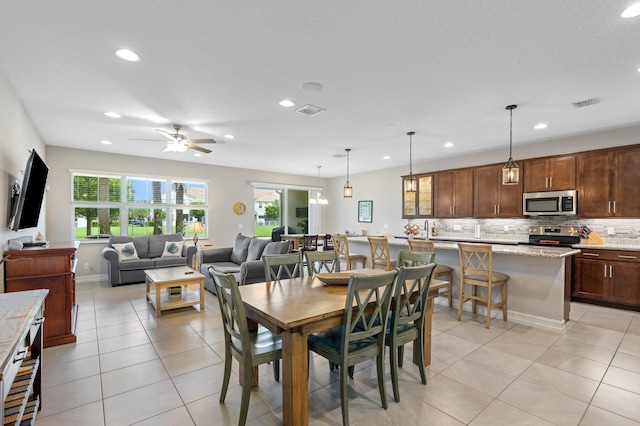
[309,110]
[586,103]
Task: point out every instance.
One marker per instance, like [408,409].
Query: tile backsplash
[612,231]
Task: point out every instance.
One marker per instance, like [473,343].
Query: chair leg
[474,293]
[420,343]
[344,396]
[488,305]
[381,387]
[227,374]
[276,370]
[393,362]
[400,355]
[246,393]
[504,301]
[461,300]
[450,289]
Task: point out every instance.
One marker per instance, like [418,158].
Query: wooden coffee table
[172,288]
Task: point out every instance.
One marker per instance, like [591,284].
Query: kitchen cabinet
[608,183]
[21,315]
[493,199]
[550,174]
[453,193]
[607,277]
[50,267]
[420,203]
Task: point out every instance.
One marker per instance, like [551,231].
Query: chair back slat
[321,261]
[341,244]
[476,259]
[283,266]
[415,281]
[309,242]
[413,258]
[380,252]
[232,309]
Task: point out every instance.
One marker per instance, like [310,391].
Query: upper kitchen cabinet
[453,193]
[491,198]
[608,183]
[420,203]
[550,174]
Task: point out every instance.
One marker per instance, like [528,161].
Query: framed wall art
[365,211]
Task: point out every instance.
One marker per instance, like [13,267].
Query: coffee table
[172,288]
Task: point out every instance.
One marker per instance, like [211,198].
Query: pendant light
[410,183]
[510,171]
[319,198]
[348,189]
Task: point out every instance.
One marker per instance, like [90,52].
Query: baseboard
[91,278]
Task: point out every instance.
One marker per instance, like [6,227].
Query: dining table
[298,239]
[297,307]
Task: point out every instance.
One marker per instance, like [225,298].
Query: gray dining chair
[413,258]
[322,261]
[250,347]
[407,318]
[362,334]
[283,266]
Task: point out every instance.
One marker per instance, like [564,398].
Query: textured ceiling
[444,69]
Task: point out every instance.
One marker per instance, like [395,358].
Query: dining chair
[309,242]
[407,318]
[414,258]
[249,347]
[290,265]
[321,261]
[341,244]
[328,242]
[380,253]
[476,269]
[362,333]
[440,271]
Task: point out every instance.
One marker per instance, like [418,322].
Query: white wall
[17,136]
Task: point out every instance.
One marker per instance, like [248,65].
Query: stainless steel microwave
[553,203]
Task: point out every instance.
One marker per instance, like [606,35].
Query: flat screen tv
[27,208]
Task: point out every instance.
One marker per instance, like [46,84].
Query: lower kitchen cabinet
[608,277]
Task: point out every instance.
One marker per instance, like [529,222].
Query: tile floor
[128,367]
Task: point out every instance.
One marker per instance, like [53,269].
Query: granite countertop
[627,247]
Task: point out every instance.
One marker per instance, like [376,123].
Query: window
[108,204]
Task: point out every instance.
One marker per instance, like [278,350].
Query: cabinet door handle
[605,271]
[610,271]
[627,257]
[494,209]
[546,181]
[609,206]
[614,206]
[591,254]
[498,208]
[551,182]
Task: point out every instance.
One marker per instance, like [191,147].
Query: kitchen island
[539,291]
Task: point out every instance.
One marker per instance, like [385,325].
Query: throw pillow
[256,246]
[240,249]
[278,247]
[172,249]
[126,251]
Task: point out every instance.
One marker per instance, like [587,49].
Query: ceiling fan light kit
[178,142]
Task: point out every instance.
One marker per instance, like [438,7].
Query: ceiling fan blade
[199,148]
[152,140]
[204,141]
[167,135]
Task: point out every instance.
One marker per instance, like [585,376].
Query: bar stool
[341,245]
[440,271]
[476,269]
[380,253]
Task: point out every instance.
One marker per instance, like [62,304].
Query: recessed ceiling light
[312,87]
[448,145]
[287,103]
[105,142]
[632,11]
[229,136]
[386,157]
[112,114]
[197,154]
[540,126]
[127,55]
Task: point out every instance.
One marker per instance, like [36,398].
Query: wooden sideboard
[21,316]
[50,267]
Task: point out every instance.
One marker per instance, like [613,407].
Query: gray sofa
[243,260]
[128,257]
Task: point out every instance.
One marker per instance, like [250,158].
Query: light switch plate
[610,230]
[457,227]
[506,228]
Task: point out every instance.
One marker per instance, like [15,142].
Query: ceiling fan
[178,142]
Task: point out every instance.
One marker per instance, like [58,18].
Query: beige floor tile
[85,324]
[178,344]
[119,329]
[86,336]
[136,376]
[530,334]
[126,357]
[123,341]
[574,364]
[627,361]
[452,344]
[479,377]
[623,379]
[70,371]
[116,319]
[209,410]
[70,352]
[212,335]
[507,363]
[187,361]
[475,333]
[67,396]
[141,404]
[519,348]
[612,319]
[598,417]
[499,413]
[584,350]
[164,333]
[618,401]
[201,383]
[179,416]
[117,310]
[634,326]
[596,336]
[630,344]
[90,414]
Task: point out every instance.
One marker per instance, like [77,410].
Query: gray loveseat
[243,260]
[128,257]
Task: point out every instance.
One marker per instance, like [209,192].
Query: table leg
[158,310]
[295,386]
[202,295]
[428,315]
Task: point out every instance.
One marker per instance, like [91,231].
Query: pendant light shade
[319,198]
[511,171]
[348,189]
[410,183]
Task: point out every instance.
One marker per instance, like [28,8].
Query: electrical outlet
[87,266]
[506,228]
[457,227]
[610,230]
[386,226]
[239,226]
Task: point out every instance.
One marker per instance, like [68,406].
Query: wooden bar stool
[476,269]
[380,253]
[341,245]
[440,271]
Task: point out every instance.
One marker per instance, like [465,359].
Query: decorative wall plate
[239,208]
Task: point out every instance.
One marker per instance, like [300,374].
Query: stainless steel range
[557,236]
